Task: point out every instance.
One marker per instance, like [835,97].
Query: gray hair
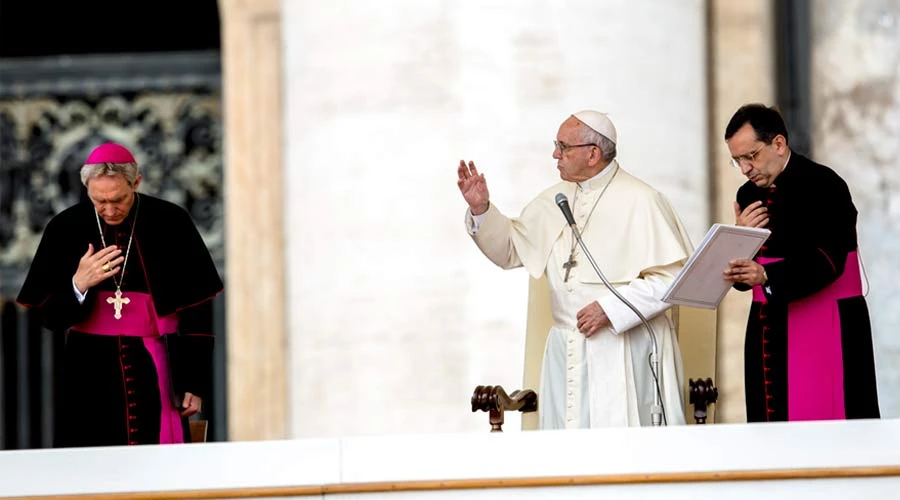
[127,170]
[607,147]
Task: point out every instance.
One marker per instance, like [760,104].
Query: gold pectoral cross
[118,302]
[568,265]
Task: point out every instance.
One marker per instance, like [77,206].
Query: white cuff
[474,221]
[78,295]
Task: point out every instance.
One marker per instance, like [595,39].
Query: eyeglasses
[747,158]
[563,147]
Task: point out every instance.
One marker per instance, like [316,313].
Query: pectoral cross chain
[118,302]
[568,265]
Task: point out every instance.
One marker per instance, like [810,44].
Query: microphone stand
[656,410]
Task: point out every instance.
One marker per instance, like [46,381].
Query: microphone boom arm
[656,411]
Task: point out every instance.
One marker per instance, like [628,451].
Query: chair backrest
[198,431]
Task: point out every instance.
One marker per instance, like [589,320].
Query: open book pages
[701,282]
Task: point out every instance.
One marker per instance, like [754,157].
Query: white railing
[858,459]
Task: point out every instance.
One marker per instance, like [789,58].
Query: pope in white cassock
[591,350]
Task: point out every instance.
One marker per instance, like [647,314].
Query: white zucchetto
[599,122]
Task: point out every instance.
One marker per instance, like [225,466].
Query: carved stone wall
[856,123]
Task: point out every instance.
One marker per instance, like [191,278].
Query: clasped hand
[591,319]
[747,271]
[755,215]
[90,267]
[191,404]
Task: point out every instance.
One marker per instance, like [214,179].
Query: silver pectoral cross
[568,265]
[118,302]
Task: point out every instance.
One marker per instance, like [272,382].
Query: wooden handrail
[494,400]
[492,483]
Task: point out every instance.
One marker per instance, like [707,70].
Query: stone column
[254,208]
[742,69]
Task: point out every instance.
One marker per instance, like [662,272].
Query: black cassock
[111,392]
[808,350]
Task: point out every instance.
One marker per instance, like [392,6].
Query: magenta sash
[815,357]
[139,319]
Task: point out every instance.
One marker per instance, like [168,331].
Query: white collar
[593,183]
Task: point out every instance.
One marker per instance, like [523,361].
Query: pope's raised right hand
[90,267]
[473,187]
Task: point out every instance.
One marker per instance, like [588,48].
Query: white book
[701,282]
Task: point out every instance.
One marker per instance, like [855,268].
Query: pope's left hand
[746,271]
[591,319]
[190,405]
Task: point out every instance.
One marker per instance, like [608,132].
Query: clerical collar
[784,167]
[595,181]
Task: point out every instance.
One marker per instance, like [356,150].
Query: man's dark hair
[766,122]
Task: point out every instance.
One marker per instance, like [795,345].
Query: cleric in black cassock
[131,282]
[808,351]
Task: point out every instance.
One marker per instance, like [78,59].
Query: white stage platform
[859,459]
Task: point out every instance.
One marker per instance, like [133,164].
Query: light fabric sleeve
[644,293]
[495,237]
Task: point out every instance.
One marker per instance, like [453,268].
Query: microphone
[563,203]
[657,410]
